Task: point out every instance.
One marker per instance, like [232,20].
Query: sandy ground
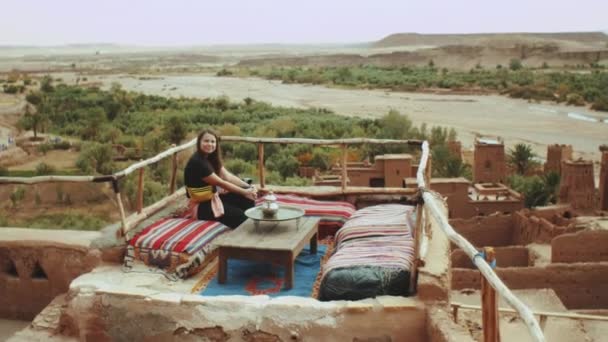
[59,159]
[9,327]
[512,119]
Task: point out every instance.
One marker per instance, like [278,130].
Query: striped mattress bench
[179,247]
[374,251]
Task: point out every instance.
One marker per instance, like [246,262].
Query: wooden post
[123,220]
[344,161]
[489,305]
[417,239]
[140,190]
[455,312]
[173,174]
[261,165]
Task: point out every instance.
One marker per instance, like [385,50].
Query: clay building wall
[604,182]
[512,256]
[583,246]
[455,190]
[489,207]
[460,204]
[495,230]
[395,169]
[387,171]
[556,154]
[579,286]
[33,273]
[577,186]
[489,165]
[529,228]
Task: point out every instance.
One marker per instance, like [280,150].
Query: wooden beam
[328,142]
[489,304]
[140,190]
[124,227]
[173,173]
[261,165]
[417,241]
[344,163]
[538,313]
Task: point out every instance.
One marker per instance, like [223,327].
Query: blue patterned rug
[252,278]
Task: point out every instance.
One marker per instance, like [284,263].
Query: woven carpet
[255,278]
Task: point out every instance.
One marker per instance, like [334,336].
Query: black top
[197,168]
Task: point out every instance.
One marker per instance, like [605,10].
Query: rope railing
[485,269]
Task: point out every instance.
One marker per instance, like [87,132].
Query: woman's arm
[214,179]
[228,176]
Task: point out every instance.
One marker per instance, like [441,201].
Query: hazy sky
[186,22]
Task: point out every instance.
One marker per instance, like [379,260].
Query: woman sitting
[205,173]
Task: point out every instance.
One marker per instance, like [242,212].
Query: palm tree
[522,158]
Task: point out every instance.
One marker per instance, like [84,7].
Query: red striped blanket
[178,246]
[332,214]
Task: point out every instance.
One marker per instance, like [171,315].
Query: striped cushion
[375,246]
[332,214]
[178,246]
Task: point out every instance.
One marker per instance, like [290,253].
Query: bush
[575,99]
[515,64]
[96,157]
[44,169]
[17,195]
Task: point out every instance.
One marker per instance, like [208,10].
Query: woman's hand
[251,193]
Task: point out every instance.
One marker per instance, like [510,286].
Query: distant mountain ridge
[404,39]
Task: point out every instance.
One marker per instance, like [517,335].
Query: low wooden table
[281,243]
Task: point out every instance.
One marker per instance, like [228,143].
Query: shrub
[17,195]
[515,64]
[575,99]
[44,169]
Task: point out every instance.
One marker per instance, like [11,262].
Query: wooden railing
[142,213]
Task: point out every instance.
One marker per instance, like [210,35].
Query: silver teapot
[270,207]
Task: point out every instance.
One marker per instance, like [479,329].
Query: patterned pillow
[179,247]
[332,214]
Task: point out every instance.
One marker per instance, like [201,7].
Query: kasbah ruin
[554,258]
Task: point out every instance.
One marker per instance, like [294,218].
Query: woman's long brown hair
[215,158]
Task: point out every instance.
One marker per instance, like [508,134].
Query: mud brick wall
[514,256]
[529,229]
[496,230]
[579,286]
[33,273]
[584,246]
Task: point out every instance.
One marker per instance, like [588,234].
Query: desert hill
[589,39]
[463,51]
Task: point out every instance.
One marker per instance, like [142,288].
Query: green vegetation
[537,190]
[576,87]
[521,158]
[149,124]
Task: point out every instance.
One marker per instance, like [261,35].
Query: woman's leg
[238,201]
[233,215]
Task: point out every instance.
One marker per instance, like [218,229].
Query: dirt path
[514,120]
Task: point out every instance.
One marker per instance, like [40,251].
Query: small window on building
[376,182]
